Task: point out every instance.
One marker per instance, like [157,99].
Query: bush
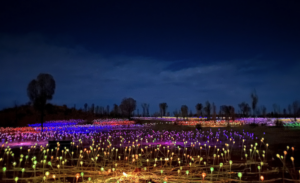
[253,124]
[138,122]
[198,126]
[263,124]
[278,123]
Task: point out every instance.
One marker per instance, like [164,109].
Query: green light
[16,179]
[211,169]
[240,175]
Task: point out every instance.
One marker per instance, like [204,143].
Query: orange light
[77,175]
[203,175]
[262,178]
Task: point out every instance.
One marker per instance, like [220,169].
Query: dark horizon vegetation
[24,114]
[41,90]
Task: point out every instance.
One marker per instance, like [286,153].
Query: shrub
[278,123]
[253,124]
[198,126]
[263,124]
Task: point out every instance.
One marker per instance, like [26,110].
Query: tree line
[42,89]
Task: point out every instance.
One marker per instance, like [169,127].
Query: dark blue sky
[179,52]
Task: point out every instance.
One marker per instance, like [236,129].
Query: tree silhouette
[254,102]
[207,109]
[245,108]
[229,112]
[144,109]
[184,111]
[163,108]
[92,109]
[116,110]
[39,91]
[127,106]
[85,107]
[199,109]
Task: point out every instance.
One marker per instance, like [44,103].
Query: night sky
[179,52]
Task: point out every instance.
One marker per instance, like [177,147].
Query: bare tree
[245,108]
[92,109]
[145,107]
[199,109]
[228,111]
[184,111]
[116,110]
[40,91]
[85,107]
[254,102]
[163,108]
[127,106]
[207,109]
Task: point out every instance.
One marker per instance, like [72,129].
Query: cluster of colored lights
[141,154]
[59,123]
[168,118]
[270,121]
[210,123]
[112,122]
[191,121]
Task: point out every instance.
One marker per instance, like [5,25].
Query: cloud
[83,76]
